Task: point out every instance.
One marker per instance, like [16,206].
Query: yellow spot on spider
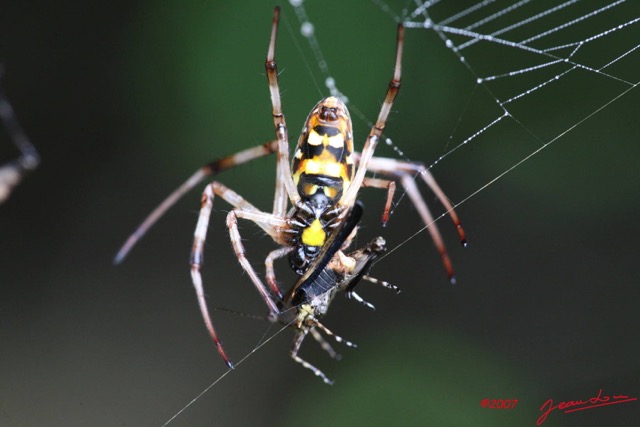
[330,192]
[336,141]
[314,235]
[320,167]
[310,189]
[314,138]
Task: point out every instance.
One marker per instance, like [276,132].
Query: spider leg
[377,129]
[283,167]
[414,194]
[196,261]
[284,181]
[405,171]
[395,168]
[207,170]
[383,184]
[238,248]
[270,272]
[267,222]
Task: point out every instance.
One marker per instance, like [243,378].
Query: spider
[321,184]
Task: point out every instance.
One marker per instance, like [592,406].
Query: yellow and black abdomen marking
[322,171]
[323,161]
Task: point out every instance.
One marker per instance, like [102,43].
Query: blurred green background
[126,99]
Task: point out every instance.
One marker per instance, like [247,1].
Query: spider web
[530,72]
[518,54]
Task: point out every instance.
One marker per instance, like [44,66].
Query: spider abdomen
[323,161]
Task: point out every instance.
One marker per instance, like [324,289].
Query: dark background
[124,100]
